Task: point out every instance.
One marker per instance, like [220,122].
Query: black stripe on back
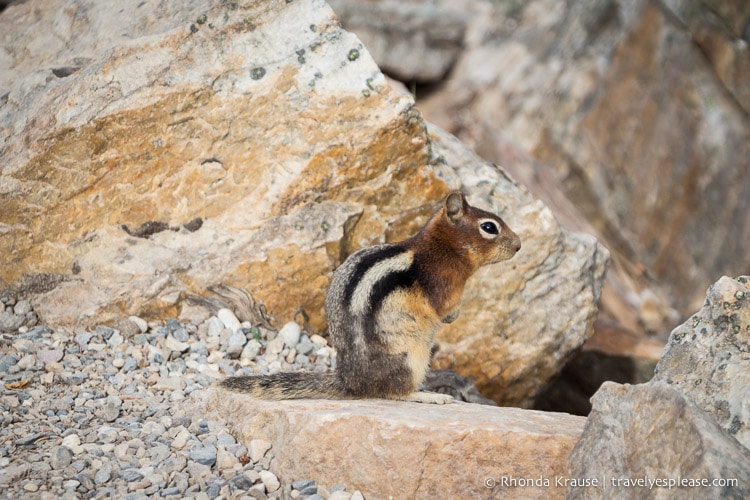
[390,282]
[381,289]
[365,264]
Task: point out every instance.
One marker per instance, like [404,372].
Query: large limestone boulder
[389,449]
[164,149]
[688,427]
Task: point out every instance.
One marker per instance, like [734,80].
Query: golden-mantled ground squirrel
[385,304]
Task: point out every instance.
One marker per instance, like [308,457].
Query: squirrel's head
[480,236]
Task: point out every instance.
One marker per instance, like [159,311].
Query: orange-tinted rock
[404,450]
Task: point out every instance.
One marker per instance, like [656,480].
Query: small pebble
[251,350]
[140,323]
[115,339]
[317,339]
[7,361]
[275,347]
[241,482]
[22,308]
[269,480]
[72,442]
[205,455]
[236,343]
[105,332]
[31,487]
[225,459]
[131,475]
[61,458]
[215,326]
[175,345]
[290,333]
[26,362]
[102,476]
[229,320]
[46,356]
[111,409]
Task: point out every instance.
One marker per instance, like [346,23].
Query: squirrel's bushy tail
[296,385]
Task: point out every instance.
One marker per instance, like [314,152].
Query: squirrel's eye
[489,227]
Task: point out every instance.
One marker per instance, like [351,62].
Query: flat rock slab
[406,450]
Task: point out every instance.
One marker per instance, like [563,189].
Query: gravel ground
[97,414]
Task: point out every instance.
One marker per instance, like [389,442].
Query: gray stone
[9,322]
[61,457]
[654,431]
[130,365]
[131,475]
[26,362]
[302,484]
[173,325]
[251,349]
[7,361]
[50,355]
[22,308]
[181,334]
[215,326]
[205,455]
[706,357]
[111,409]
[225,439]
[85,481]
[82,338]
[105,331]
[311,490]
[235,344]
[305,346]
[241,482]
[115,339]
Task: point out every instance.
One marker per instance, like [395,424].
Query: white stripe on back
[360,303]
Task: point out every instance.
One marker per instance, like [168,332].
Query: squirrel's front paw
[429,397]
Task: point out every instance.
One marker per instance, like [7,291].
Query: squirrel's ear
[455,205]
